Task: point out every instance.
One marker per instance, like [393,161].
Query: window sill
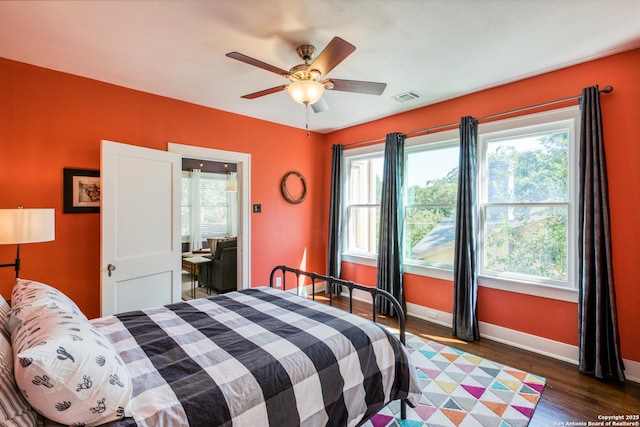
[370,261]
[421,270]
[538,290]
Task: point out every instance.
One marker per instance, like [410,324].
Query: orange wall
[552,319]
[51,120]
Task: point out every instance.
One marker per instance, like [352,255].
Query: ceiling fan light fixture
[306,92]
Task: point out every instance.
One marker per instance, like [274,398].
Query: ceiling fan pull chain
[307,125]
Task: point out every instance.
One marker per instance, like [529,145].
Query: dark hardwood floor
[568,397]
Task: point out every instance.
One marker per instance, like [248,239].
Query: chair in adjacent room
[223,273]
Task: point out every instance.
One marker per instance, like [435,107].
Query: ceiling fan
[309,80]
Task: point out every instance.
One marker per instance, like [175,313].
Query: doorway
[209,203]
[243,175]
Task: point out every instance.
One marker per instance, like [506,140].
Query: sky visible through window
[430,165]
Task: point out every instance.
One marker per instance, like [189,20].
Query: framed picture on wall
[81,189]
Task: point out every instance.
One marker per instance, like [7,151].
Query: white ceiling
[440,49]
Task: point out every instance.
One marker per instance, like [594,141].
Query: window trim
[355,154]
[545,290]
[536,123]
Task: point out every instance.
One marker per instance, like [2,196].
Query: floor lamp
[19,226]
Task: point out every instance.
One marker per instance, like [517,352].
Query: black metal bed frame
[333,282]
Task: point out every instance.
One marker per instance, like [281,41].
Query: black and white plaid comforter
[255,358]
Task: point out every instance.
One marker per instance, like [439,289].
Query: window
[210,206]
[364,190]
[431,181]
[526,199]
[213,205]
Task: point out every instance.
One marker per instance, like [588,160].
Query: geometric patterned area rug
[461,389]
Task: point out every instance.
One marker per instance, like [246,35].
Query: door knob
[110,268]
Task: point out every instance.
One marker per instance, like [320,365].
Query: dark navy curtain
[334,256]
[390,271]
[599,342]
[465,273]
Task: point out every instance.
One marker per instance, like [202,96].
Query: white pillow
[29,297]
[65,368]
[14,410]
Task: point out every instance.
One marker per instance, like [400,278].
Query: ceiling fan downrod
[305,52]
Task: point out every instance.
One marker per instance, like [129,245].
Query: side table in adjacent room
[193,265]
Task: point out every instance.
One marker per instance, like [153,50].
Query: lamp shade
[26,226]
[305,91]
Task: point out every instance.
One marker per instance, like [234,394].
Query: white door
[140,228]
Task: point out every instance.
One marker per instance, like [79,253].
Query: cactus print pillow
[30,296]
[65,368]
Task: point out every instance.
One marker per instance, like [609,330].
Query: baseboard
[513,338]
[307,290]
[546,347]
[632,370]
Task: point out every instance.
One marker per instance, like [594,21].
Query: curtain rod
[606,89]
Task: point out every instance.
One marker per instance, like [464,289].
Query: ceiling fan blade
[256,63]
[264,92]
[335,52]
[320,105]
[369,88]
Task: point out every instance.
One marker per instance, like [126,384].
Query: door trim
[243,160]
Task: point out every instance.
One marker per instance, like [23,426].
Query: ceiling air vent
[407,96]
